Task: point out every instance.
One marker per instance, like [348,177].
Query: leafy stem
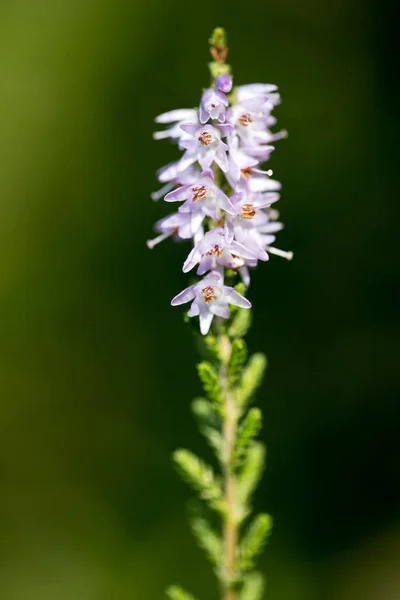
[230,530]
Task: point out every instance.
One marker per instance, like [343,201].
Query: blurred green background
[97,370]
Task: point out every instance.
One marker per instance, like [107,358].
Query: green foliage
[207,539]
[254,541]
[205,412]
[209,423]
[253,588]
[251,378]
[241,323]
[247,431]
[177,593]
[210,380]
[200,476]
[211,343]
[250,474]
[237,360]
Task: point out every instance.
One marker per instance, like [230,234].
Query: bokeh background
[97,370]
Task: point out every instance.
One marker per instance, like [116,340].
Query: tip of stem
[218,38]
[219,53]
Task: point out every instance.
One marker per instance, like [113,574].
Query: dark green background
[97,370]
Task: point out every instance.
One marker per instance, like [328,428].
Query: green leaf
[207,539]
[252,378]
[209,423]
[250,475]
[253,588]
[175,592]
[241,323]
[210,380]
[205,412]
[237,360]
[200,477]
[254,541]
[248,429]
[211,343]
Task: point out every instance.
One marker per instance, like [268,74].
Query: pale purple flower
[202,196]
[256,180]
[176,117]
[213,252]
[254,228]
[210,298]
[204,144]
[213,105]
[225,194]
[172,176]
[252,121]
[254,90]
[224,83]
[182,226]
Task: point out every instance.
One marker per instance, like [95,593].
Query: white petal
[194,310]
[206,160]
[228,231]
[205,265]
[162,191]
[222,160]
[180,114]
[206,318]
[181,193]
[244,272]
[233,297]
[187,159]
[241,250]
[196,221]
[191,260]
[183,297]
[220,310]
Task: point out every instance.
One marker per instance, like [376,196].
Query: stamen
[208,294]
[245,173]
[282,253]
[245,119]
[157,240]
[248,211]
[199,193]
[205,138]
[215,251]
[237,263]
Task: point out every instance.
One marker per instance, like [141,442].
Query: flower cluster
[225,197]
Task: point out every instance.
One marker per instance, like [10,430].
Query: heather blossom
[210,298]
[224,193]
[224,199]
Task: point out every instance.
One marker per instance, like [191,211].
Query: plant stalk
[230,530]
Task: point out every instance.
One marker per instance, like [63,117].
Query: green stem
[230,529]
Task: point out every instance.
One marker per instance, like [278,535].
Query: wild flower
[226,208]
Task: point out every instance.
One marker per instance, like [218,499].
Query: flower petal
[179,114]
[206,318]
[220,310]
[178,195]
[194,310]
[192,260]
[233,297]
[184,296]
